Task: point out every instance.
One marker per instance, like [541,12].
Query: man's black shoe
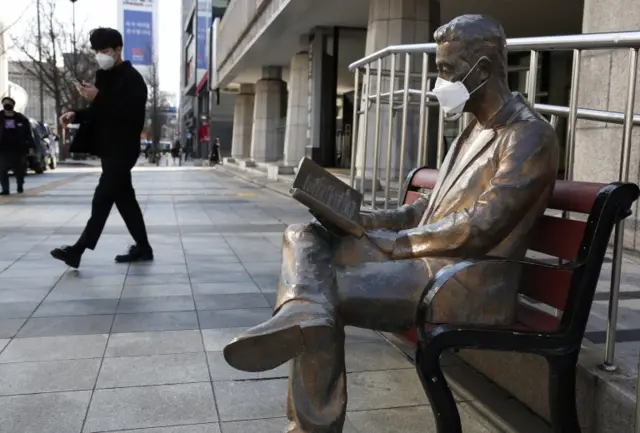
[20,190]
[70,256]
[136,254]
[4,192]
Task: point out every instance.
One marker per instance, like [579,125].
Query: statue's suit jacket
[485,202]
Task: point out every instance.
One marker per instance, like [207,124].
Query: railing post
[637,420]
[441,149]
[376,136]
[392,89]
[354,129]
[532,84]
[365,123]
[423,111]
[616,269]
[573,115]
[405,115]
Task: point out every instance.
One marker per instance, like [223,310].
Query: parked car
[40,159]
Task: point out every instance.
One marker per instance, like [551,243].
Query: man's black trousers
[15,162]
[115,187]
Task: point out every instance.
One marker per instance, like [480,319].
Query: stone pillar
[603,86]
[243,122]
[267,142]
[295,139]
[393,22]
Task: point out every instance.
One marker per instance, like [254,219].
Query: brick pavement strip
[114,348]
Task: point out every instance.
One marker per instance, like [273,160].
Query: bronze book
[331,200]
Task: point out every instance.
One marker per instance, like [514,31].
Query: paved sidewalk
[113,348]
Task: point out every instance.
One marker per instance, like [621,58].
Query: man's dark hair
[8,98]
[480,35]
[105,37]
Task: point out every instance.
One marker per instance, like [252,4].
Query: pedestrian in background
[176,153]
[110,128]
[16,141]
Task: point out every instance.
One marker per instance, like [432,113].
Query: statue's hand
[327,225]
[385,240]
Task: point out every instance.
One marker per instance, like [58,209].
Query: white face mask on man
[105,61]
[453,96]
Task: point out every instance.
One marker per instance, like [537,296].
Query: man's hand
[67,118]
[385,240]
[87,91]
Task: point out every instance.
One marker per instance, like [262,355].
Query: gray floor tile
[221,371]
[233,318]
[82,293]
[156,269]
[156,304]
[384,389]
[76,308]
[216,339]
[70,325]
[153,370]
[23,295]
[276,425]
[156,290]
[61,412]
[221,277]
[355,335]
[232,288]
[48,376]
[157,279]
[10,327]
[200,428]
[55,348]
[151,406]
[154,343]
[16,310]
[251,399]
[230,302]
[417,419]
[375,356]
[3,343]
[92,279]
[168,321]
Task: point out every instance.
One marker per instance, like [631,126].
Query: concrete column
[267,143]
[393,22]
[295,139]
[603,86]
[243,122]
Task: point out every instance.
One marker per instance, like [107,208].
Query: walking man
[16,141]
[110,129]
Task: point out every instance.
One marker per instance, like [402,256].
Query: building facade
[204,115]
[288,62]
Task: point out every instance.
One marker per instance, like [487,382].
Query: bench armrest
[448,272]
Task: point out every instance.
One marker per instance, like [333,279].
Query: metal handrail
[593,41]
[371,93]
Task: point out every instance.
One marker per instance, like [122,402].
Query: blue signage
[202,56]
[138,37]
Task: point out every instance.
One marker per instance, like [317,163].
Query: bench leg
[435,385]
[562,394]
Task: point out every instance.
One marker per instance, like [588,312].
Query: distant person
[110,129]
[215,157]
[176,153]
[16,141]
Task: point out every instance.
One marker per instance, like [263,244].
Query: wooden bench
[546,285]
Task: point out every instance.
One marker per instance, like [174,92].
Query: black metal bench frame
[560,348]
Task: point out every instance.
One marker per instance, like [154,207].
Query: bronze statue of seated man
[493,185]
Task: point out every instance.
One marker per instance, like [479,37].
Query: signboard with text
[138,37]
[137,21]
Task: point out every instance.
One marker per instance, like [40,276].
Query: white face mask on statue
[453,96]
[105,61]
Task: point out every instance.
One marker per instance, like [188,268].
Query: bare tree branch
[59,68]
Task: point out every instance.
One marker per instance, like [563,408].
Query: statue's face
[450,63]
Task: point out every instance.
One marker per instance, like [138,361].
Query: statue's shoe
[299,327]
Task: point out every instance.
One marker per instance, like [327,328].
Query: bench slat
[549,286]
[557,237]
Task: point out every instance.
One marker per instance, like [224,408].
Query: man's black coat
[111,126]
[26,140]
